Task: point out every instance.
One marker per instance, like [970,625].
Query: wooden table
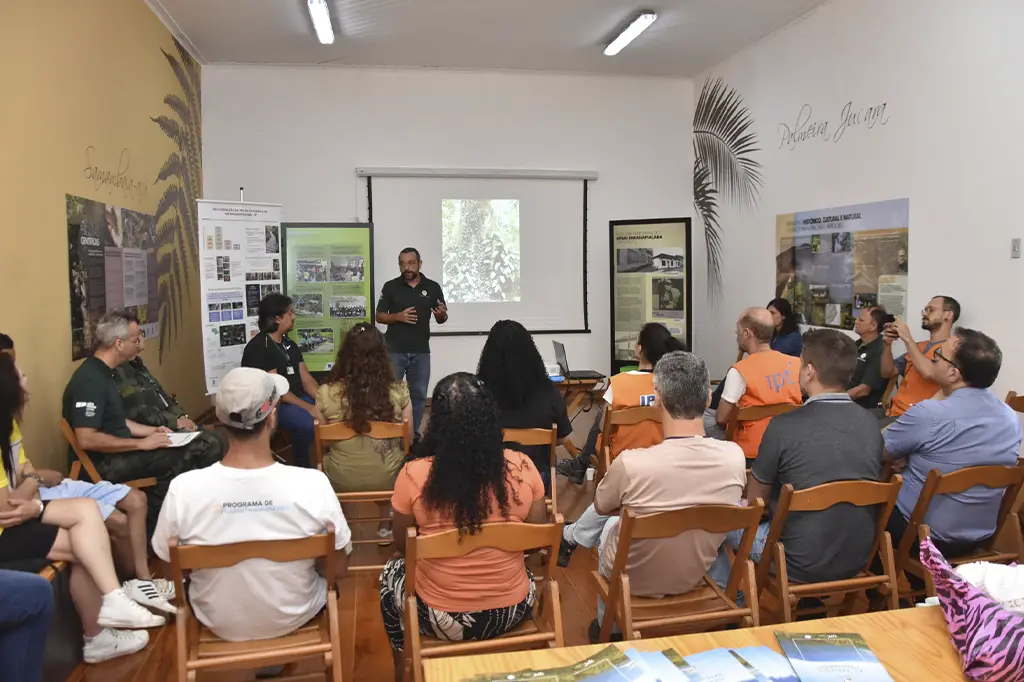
[575,391]
[913,644]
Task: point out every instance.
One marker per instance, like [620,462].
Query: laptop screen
[563,364]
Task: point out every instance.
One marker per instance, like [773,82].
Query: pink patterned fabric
[989,638]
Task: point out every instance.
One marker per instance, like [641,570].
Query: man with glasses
[968,426]
[123,449]
[145,400]
[916,367]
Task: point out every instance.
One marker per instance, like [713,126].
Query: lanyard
[282,351]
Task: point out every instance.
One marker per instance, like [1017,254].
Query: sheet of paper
[180,439]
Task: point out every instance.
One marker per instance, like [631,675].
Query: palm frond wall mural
[177,226]
[724,167]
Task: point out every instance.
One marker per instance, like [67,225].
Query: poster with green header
[329,276]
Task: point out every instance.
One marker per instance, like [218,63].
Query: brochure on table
[239,264]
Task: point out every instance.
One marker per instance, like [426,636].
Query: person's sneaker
[594,633]
[146,592]
[119,611]
[565,550]
[566,468]
[165,588]
[114,643]
[386,535]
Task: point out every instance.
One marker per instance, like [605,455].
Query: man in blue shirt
[968,426]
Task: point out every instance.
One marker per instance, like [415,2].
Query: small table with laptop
[576,386]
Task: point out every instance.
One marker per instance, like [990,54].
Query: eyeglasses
[938,354]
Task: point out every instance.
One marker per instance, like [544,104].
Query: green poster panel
[328,273]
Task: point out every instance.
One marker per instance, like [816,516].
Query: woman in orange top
[462,478]
[634,388]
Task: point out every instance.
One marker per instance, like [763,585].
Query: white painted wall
[294,135]
[949,72]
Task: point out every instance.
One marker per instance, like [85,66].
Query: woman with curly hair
[463,479]
[362,389]
[787,337]
[511,367]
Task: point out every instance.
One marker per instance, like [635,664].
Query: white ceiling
[689,36]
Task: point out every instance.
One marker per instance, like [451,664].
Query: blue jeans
[720,570]
[299,425]
[415,369]
[26,605]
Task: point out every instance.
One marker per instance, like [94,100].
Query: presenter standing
[405,306]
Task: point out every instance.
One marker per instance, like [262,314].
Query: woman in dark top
[511,367]
[787,333]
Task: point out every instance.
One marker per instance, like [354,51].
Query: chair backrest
[755,413]
[889,390]
[83,458]
[711,518]
[547,437]
[196,557]
[325,434]
[508,536]
[1010,478]
[821,497]
[1016,402]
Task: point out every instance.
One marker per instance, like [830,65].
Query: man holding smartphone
[405,306]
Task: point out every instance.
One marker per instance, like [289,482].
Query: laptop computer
[563,365]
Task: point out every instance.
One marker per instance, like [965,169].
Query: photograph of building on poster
[832,263]
[650,282]
[111,265]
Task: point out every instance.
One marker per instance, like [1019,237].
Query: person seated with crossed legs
[64,530]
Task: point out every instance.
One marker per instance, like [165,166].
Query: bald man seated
[763,377]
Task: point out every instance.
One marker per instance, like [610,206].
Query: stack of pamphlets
[813,657]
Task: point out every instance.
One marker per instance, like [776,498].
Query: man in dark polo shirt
[121,449]
[405,306]
[867,384]
[272,351]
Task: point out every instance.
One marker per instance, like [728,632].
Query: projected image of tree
[480,250]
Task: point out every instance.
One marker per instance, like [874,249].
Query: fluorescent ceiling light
[639,25]
[321,17]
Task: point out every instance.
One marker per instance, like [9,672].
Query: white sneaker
[146,592]
[113,643]
[119,611]
[165,588]
[386,536]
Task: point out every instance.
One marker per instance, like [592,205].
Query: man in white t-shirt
[250,496]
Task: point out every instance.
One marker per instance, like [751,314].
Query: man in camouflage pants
[121,448]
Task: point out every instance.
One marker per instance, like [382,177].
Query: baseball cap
[246,396]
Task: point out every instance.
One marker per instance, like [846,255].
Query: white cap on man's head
[246,396]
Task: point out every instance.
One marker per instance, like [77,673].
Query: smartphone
[890,318]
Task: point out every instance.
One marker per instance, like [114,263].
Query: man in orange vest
[763,377]
[917,366]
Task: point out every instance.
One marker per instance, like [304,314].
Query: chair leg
[885,549]
[782,577]
[755,609]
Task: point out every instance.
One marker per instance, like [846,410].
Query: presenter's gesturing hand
[408,316]
[441,312]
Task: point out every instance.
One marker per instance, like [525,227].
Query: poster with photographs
[240,263]
[112,264]
[327,274]
[650,274]
[833,263]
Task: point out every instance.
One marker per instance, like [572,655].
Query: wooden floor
[365,649]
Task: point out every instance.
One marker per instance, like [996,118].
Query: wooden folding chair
[544,628]
[1016,402]
[703,606]
[754,414]
[324,435]
[547,437]
[889,390]
[1008,530]
[859,493]
[83,461]
[198,649]
[613,419]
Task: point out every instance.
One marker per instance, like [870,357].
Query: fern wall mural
[180,177]
[724,166]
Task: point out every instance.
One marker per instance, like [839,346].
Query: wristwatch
[38,479]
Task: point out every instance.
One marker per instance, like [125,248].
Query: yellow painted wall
[77,74]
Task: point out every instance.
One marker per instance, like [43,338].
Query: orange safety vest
[772,378]
[914,388]
[633,390]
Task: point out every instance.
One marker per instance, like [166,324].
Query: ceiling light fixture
[639,25]
[321,17]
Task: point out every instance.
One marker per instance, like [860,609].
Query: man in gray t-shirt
[830,438]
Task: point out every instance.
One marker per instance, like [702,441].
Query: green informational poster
[328,272]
